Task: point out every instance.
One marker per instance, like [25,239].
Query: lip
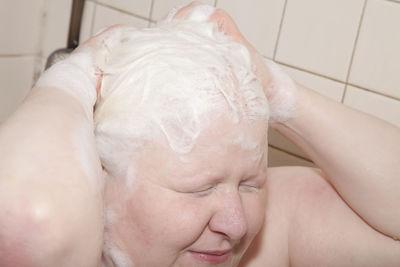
[212,256]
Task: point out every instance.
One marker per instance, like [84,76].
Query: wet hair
[169,82]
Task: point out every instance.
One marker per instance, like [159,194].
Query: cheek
[159,217]
[254,207]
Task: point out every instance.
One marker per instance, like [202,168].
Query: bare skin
[51,211]
[345,214]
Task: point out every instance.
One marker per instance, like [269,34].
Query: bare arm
[50,187]
[51,205]
[360,155]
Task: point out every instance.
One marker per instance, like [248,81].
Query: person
[203,207]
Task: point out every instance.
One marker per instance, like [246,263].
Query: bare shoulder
[309,224]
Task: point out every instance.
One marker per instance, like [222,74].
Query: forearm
[50,182]
[359,154]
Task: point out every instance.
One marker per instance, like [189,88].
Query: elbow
[28,236]
[37,234]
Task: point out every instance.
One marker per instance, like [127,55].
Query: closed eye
[205,192]
[248,188]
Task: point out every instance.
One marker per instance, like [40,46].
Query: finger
[99,81]
[183,12]
[195,11]
[98,40]
[226,25]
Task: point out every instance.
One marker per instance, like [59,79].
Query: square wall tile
[105,17]
[319,35]
[278,140]
[138,7]
[162,7]
[379,106]
[258,20]
[56,25]
[87,21]
[324,86]
[20,28]
[376,63]
[16,74]
[278,158]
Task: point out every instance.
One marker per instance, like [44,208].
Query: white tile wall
[259,21]
[16,75]
[319,35]
[20,24]
[376,64]
[55,25]
[280,158]
[277,140]
[138,7]
[87,21]
[380,106]
[105,17]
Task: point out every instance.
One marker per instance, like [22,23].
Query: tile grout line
[18,55]
[374,92]
[393,1]
[309,72]
[37,67]
[279,31]
[151,12]
[93,16]
[125,12]
[338,81]
[289,153]
[354,49]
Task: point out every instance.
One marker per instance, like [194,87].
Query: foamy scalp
[168,81]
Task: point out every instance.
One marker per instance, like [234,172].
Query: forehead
[219,148]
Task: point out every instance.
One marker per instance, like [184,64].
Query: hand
[228,27]
[92,46]
[277,85]
[78,75]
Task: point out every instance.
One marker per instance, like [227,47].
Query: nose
[229,217]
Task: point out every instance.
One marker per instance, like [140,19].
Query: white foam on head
[167,82]
[282,99]
[258,147]
[201,13]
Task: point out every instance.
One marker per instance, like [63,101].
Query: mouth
[212,256]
